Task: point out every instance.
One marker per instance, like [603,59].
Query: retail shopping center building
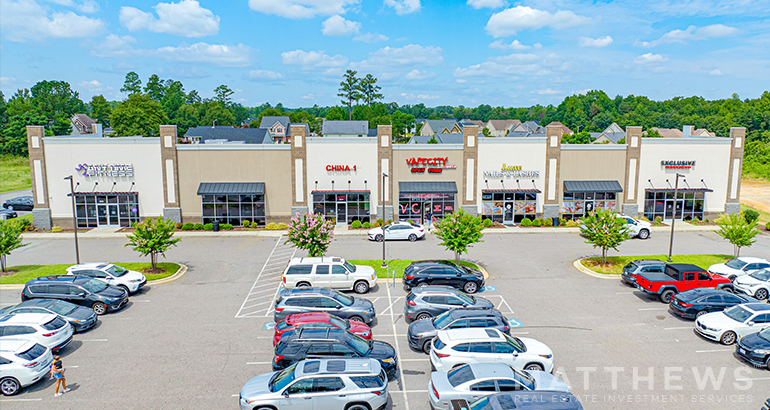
[121,180]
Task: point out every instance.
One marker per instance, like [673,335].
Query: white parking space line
[416,360]
[624,293]
[140,300]
[6,400]
[257,362]
[643,309]
[519,333]
[714,350]
[500,304]
[93,340]
[678,328]
[756,378]
[398,350]
[407,391]
[265,283]
[390,307]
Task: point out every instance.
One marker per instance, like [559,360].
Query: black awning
[592,186]
[231,188]
[513,190]
[433,187]
[342,191]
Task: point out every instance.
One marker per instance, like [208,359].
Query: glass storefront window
[342,207]
[233,209]
[661,203]
[580,204]
[103,209]
[413,207]
[508,207]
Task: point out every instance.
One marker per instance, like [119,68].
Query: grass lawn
[615,264]
[28,272]
[397,265]
[14,174]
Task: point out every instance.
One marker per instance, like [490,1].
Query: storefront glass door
[342,213]
[106,209]
[108,214]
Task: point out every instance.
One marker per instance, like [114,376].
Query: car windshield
[32,353]
[442,320]
[524,378]
[63,308]
[116,271]
[282,379]
[460,375]
[763,275]
[738,313]
[94,286]
[342,324]
[344,299]
[630,267]
[482,404]
[468,299]
[516,342]
[765,334]
[350,266]
[735,264]
[359,344]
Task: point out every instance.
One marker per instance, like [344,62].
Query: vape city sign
[512,171]
[106,170]
[677,164]
[432,165]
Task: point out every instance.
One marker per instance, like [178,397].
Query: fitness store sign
[106,170]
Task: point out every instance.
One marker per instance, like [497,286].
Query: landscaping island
[615,264]
[24,273]
[397,265]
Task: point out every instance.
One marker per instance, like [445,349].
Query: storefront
[342,207]
[233,202]
[95,209]
[688,203]
[581,198]
[509,206]
[418,199]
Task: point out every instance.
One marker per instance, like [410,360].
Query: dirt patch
[151,271]
[590,263]
[9,273]
[756,194]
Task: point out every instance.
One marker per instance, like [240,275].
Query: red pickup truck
[676,278]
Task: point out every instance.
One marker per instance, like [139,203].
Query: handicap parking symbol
[268,326]
[487,288]
[515,323]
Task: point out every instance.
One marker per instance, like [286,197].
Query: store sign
[512,171]
[340,168]
[677,164]
[431,165]
[106,170]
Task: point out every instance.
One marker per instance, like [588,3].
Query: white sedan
[398,231]
[756,284]
[636,228]
[728,326]
[738,267]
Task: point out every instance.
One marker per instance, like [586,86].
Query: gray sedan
[474,381]
[81,318]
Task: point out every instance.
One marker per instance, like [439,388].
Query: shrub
[366,225]
[488,223]
[695,221]
[723,218]
[573,223]
[379,222]
[562,222]
[750,215]
[645,219]
[226,227]
[376,224]
[198,227]
[658,220]
[246,223]
[390,221]
[526,222]
[705,221]
[271,226]
[767,226]
[56,229]
[208,227]
[178,226]
[283,226]
[356,225]
[537,222]
[188,226]
[547,222]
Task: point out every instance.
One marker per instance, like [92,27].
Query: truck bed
[656,277]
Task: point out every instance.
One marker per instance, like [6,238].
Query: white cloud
[188,72]
[650,58]
[491,4]
[419,97]
[311,59]
[337,26]
[308,96]
[302,9]
[27,20]
[715,71]
[419,75]
[509,21]
[595,42]
[93,86]
[217,54]
[547,91]
[7,80]
[370,38]
[186,18]
[404,6]
[505,66]
[409,55]
[114,46]
[88,6]
[515,45]
[692,33]
[263,75]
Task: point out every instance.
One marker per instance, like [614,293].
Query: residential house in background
[82,124]
[500,128]
[432,127]
[225,134]
[667,132]
[279,127]
[346,128]
[453,138]
[564,129]
[686,132]
[611,135]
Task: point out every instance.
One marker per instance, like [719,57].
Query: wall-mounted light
[502,182]
[95,184]
[132,186]
[348,185]
[113,186]
[77,184]
[316,185]
[332,185]
[486,181]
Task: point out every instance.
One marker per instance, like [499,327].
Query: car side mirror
[750,323]
[338,307]
[82,294]
[285,393]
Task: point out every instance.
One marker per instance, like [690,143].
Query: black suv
[442,272]
[421,332]
[640,266]
[80,290]
[296,345]
[696,302]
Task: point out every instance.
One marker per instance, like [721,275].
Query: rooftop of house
[439,125]
[346,128]
[268,121]
[453,138]
[503,124]
[224,133]
[85,119]
[564,128]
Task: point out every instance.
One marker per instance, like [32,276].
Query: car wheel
[422,316]
[303,285]
[9,386]
[767,365]
[426,347]
[10,207]
[470,287]
[124,287]
[732,278]
[535,366]
[728,338]
[644,234]
[665,297]
[361,287]
[99,308]
[412,237]
[357,319]
[378,238]
[407,288]
[761,294]
[700,313]
[357,407]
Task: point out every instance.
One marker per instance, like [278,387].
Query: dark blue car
[755,349]
[696,302]
[527,400]
[81,318]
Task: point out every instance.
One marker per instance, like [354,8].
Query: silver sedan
[398,231]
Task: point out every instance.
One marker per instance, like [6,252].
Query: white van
[328,272]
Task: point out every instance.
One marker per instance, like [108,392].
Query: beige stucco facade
[402,171]
[593,163]
[526,153]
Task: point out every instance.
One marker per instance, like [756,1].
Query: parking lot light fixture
[384,262]
[74,219]
[673,218]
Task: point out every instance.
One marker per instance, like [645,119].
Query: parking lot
[194,342]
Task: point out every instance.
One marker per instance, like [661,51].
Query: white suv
[328,272]
[110,274]
[22,362]
[47,329]
[456,347]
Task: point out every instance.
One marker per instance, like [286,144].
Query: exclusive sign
[512,171]
[677,164]
[432,165]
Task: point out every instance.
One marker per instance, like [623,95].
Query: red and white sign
[432,165]
[340,168]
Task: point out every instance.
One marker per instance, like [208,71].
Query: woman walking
[57,373]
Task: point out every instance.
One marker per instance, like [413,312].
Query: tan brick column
[733,200]
[470,169]
[385,165]
[299,200]
[631,191]
[41,213]
[171,207]
[552,186]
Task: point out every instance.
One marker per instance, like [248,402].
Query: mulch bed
[151,271]
[8,272]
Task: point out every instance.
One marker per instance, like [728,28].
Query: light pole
[673,220]
[74,219]
[384,263]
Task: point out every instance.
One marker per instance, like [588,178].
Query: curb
[579,266]
[179,273]
[12,287]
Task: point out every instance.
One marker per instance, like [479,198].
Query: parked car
[677,278]
[303,344]
[738,321]
[421,332]
[47,329]
[80,290]
[767,405]
[304,300]
[398,231]
[738,267]
[20,203]
[442,272]
[474,381]
[22,363]
[327,272]
[6,214]
[525,400]
[628,275]
[637,228]
[695,303]
[426,302]
[755,349]
[81,318]
[351,384]
[320,320]
[111,274]
[455,347]
[755,284]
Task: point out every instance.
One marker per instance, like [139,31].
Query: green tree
[14,134]
[214,110]
[402,123]
[155,88]
[458,231]
[223,94]
[132,84]
[138,115]
[485,132]
[100,110]
[311,232]
[603,229]
[432,140]
[370,91]
[153,236]
[10,239]
[335,114]
[652,134]
[737,231]
[350,91]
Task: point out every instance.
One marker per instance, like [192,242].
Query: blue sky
[497,52]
